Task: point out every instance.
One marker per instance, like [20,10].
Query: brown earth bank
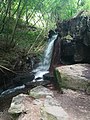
[75,103]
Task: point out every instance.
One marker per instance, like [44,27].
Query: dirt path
[76,104]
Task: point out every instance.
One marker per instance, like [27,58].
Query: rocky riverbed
[75,103]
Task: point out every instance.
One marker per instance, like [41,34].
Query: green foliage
[25,23]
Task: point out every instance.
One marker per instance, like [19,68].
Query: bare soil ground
[4,105]
[75,103]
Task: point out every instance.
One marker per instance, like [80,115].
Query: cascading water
[42,68]
[44,65]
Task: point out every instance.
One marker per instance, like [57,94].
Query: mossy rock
[75,77]
[88,90]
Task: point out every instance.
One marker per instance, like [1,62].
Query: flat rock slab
[75,76]
[54,113]
[40,91]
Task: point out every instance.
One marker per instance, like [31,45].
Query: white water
[46,61]
[6,92]
[41,69]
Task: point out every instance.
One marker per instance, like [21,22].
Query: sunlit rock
[24,107]
[54,113]
[18,104]
[40,91]
[74,76]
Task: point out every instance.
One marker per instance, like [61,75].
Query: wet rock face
[75,27]
[74,39]
[23,79]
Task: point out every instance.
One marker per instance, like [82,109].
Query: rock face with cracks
[44,108]
[73,42]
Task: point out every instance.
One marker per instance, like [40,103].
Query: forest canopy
[24,24]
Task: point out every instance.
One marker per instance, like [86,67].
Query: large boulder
[20,104]
[23,79]
[73,42]
[75,76]
[24,107]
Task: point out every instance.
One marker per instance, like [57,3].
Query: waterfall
[44,65]
[42,68]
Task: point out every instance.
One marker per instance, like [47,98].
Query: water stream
[43,66]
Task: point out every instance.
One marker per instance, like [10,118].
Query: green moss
[61,82]
[14,116]
[73,83]
[66,81]
[58,79]
[88,90]
[68,37]
[51,117]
